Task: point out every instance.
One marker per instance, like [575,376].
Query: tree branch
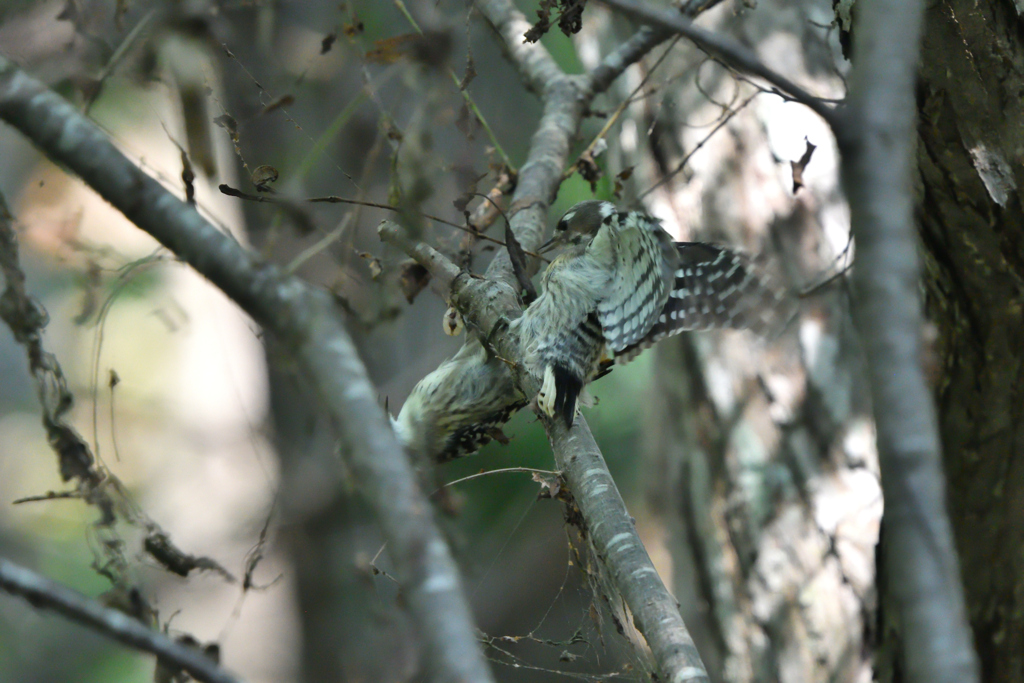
[486,304]
[876,140]
[307,324]
[726,49]
[42,593]
[626,54]
[536,66]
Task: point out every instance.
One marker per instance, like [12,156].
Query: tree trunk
[970,150]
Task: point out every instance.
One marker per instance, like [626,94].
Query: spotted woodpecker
[619,286]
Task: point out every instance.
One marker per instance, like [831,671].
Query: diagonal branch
[536,66]
[487,305]
[726,49]
[42,593]
[307,324]
[876,141]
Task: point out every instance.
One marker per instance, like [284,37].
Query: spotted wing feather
[646,262]
[716,288]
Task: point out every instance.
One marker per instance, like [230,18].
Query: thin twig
[686,159]
[527,470]
[271,199]
[42,593]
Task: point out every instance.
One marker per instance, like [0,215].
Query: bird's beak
[549,245]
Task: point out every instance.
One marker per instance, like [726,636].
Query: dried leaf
[589,169]
[263,176]
[412,279]
[571,20]
[390,50]
[620,181]
[328,42]
[799,166]
[543,24]
[228,123]
[550,485]
[519,265]
[373,263]
[160,547]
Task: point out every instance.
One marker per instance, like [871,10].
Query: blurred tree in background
[749,465]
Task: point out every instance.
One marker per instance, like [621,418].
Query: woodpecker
[621,285]
[459,407]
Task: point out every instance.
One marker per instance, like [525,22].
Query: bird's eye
[562,225]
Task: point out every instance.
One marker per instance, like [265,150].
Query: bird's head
[580,224]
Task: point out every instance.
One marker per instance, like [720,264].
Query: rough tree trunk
[971,142]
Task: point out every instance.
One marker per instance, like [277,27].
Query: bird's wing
[716,288]
[646,261]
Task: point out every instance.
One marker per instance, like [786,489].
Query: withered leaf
[589,169]
[519,266]
[228,123]
[373,263]
[543,24]
[550,485]
[328,42]
[799,166]
[412,279]
[160,547]
[620,181]
[263,177]
[571,20]
[390,50]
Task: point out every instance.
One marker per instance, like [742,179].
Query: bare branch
[729,51]
[535,64]
[614,537]
[42,593]
[486,304]
[622,57]
[307,324]
[876,140]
